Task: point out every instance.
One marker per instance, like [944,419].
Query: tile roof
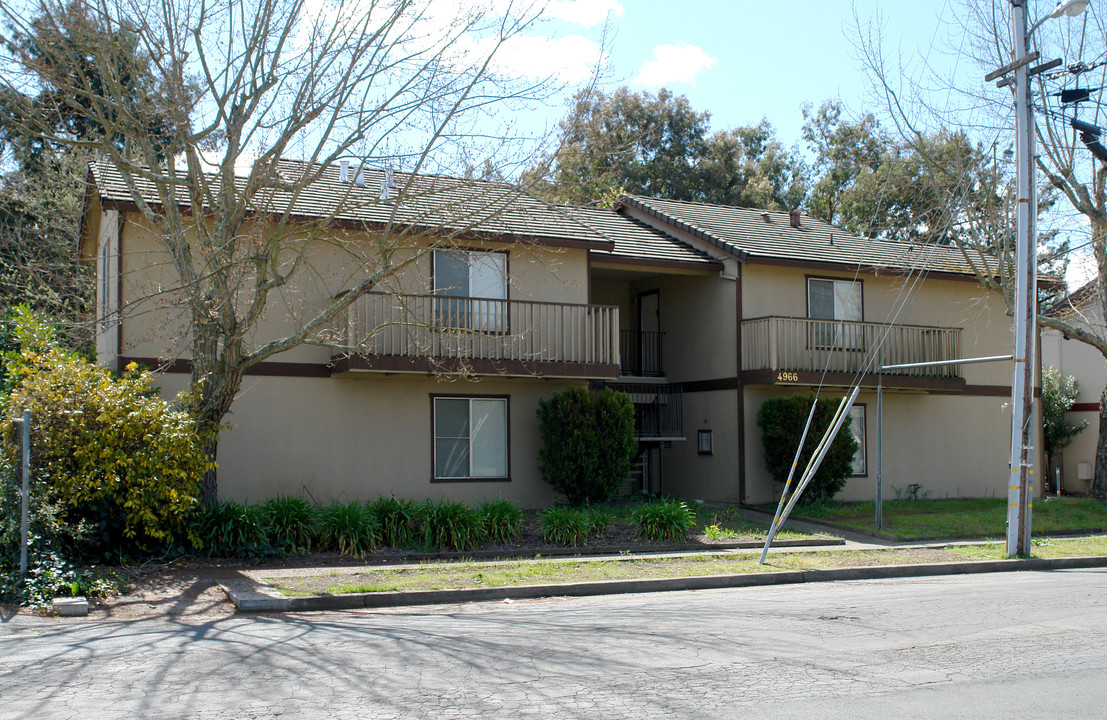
[746,232]
[1074,302]
[635,240]
[419,201]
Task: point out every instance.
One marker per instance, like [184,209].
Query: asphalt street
[1005,645]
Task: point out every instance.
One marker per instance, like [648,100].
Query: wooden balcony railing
[797,345]
[464,328]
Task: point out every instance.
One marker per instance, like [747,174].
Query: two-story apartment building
[799,304]
[700,312]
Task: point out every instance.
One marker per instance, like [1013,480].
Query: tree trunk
[1099,485]
[209,486]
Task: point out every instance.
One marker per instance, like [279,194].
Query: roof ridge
[684,225]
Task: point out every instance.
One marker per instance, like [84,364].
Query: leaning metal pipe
[813,465]
[788,483]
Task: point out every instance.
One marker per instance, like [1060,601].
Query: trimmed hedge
[781,421]
[588,442]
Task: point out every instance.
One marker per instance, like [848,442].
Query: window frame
[807,298]
[434,438]
[863,441]
[452,319]
[830,333]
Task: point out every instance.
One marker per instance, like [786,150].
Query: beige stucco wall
[714,477]
[363,436]
[155,317]
[951,445]
[1087,365]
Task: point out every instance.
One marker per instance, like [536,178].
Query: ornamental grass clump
[398,520]
[565,526]
[501,520]
[232,529]
[293,523]
[664,521]
[598,521]
[450,525]
[349,528]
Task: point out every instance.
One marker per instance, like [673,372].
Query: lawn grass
[444,575]
[944,519]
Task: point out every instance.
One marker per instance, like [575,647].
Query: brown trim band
[784,379]
[602,259]
[415,230]
[388,363]
[850,268]
[694,386]
[265,369]
[1085,407]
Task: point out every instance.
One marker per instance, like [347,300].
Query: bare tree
[924,95]
[226,92]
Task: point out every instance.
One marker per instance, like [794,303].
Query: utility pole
[1020,492]
[1020,488]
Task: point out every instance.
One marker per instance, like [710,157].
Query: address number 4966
[787,377]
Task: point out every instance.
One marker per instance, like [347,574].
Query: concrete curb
[248,595]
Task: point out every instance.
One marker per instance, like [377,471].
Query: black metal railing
[658,409]
[640,353]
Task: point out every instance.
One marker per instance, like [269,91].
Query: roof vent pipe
[359,180]
[766,217]
[794,218]
[343,171]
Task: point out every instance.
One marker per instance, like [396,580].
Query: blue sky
[744,60]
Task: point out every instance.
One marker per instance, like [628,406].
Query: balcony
[428,333]
[784,350]
[640,353]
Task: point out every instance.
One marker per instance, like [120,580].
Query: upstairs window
[834,299]
[472,290]
[838,300]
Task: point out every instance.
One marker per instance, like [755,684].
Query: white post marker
[24,524]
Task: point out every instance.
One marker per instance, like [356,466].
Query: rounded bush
[108,449]
[781,421]
[588,442]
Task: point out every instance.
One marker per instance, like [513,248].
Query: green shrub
[588,442]
[565,525]
[231,529]
[51,571]
[108,450]
[598,521]
[349,528]
[293,523]
[397,520]
[1059,392]
[664,520]
[501,520]
[781,421]
[450,524]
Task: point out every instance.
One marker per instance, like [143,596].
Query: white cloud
[585,13]
[570,59]
[673,64]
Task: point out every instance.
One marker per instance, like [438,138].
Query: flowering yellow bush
[108,448]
